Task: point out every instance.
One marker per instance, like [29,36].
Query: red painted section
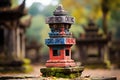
[50,52]
[62,60]
[60,63]
[60,57]
[70,41]
[56,58]
[62,54]
[68,57]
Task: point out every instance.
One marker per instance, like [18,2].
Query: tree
[14,3]
[108,6]
[35,8]
[83,9]
[48,10]
[105,8]
[115,16]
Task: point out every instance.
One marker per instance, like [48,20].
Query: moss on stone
[16,66]
[70,72]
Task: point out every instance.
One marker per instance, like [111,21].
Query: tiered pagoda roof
[5,3]
[92,35]
[92,30]
[7,13]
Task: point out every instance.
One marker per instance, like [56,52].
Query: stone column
[11,43]
[7,43]
[105,54]
[23,46]
[18,43]
[82,54]
[100,52]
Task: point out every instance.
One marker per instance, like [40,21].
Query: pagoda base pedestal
[15,66]
[69,72]
[60,63]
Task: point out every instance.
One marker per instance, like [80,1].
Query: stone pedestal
[68,72]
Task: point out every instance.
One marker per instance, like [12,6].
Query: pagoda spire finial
[60,11]
[60,16]
[60,7]
[91,22]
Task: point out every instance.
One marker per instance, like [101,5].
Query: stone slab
[68,72]
[104,78]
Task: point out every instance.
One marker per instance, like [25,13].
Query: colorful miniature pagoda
[60,41]
[92,45]
[12,36]
[59,44]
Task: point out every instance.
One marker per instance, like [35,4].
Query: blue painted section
[53,33]
[59,41]
[55,41]
[58,48]
[57,33]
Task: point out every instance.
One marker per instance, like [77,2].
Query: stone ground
[36,75]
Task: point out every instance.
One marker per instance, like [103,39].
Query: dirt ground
[102,73]
[86,72]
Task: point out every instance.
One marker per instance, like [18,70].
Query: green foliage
[35,9]
[115,19]
[39,9]
[115,15]
[14,3]
[33,32]
[72,75]
[82,9]
[117,34]
[38,31]
[26,61]
[27,68]
[48,10]
[76,30]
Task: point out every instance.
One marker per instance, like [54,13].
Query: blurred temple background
[96,29]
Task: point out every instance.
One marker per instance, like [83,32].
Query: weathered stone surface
[52,78]
[70,72]
[16,66]
[104,78]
